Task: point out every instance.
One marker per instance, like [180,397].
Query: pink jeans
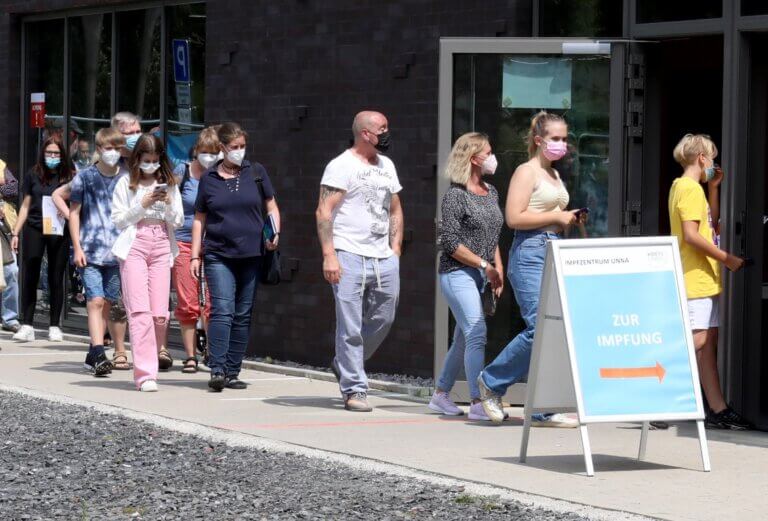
[146,279]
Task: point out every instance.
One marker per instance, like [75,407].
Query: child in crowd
[695,224]
[93,234]
[146,208]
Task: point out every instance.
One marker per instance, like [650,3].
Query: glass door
[496,86]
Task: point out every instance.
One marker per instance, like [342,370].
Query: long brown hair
[64,170]
[150,144]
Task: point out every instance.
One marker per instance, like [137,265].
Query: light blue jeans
[10,298]
[462,289]
[525,269]
[366,301]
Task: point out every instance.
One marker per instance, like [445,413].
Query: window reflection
[498,95]
[138,65]
[593,18]
[186,100]
[666,11]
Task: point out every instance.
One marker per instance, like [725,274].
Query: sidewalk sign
[613,341]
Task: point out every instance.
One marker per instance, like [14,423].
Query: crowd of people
[137,226]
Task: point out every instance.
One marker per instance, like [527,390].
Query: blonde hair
[109,136]
[459,168]
[691,145]
[208,139]
[538,128]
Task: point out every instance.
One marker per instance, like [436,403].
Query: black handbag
[270,272]
[488,298]
[5,243]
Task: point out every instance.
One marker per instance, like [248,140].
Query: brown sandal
[120,362]
[164,360]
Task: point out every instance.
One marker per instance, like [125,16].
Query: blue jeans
[462,289]
[525,269]
[232,284]
[10,298]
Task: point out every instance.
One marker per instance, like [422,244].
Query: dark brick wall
[336,58]
[265,59]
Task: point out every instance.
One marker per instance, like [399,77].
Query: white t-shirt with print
[361,220]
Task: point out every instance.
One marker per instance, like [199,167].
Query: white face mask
[110,157]
[220,156]
[207,160]
[489,165]
[149,168]
[236,156]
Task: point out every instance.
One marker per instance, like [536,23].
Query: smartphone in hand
[581,211]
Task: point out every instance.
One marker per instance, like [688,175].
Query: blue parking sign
[181,72]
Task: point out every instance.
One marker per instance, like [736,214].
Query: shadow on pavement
[574,463]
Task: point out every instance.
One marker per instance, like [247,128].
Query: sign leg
[703,444]
[587,450]
[526,433]
[643,441]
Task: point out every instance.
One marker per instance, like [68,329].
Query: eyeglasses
[52,154]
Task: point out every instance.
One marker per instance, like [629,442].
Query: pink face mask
[554,150]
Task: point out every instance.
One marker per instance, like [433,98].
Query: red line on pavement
[238,426]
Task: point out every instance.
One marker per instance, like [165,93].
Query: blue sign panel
[630,343]
[181,72]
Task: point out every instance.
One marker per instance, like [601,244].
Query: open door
[495,86]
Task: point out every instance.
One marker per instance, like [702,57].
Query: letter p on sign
[181,72]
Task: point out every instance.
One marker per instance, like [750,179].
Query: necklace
[232,183]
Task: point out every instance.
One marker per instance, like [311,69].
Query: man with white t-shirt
[360,226]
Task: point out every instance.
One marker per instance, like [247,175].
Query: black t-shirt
[234,219]
[34,187]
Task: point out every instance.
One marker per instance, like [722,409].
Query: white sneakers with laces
[148,386]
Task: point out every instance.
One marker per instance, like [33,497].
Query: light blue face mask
[52,162]
[130,141]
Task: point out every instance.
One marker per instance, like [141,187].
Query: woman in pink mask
[536,210]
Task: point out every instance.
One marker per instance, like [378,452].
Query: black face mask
[384,142]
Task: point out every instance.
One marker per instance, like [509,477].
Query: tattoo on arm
[328,191]
[394,230]
[325,231]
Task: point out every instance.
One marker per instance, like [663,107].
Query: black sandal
[190,369]
[164,360]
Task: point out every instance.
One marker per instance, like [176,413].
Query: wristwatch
[483,264]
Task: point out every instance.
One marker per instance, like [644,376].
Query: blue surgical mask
[130,141]
[709,173]
[52,162]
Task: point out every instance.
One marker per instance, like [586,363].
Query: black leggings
[33,245]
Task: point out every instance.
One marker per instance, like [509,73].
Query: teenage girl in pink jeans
[146,208]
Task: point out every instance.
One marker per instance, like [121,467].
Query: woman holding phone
[536,209]
[146,208]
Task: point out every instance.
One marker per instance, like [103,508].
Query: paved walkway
[401,431]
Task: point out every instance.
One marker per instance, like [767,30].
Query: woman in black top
[233,199]
[52,170]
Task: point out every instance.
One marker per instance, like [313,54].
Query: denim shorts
[101,282]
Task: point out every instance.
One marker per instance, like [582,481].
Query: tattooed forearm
[324,231]
[328,191]
[395,232]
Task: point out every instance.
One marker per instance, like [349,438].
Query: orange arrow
[634,372]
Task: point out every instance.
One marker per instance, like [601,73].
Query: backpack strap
[184,178]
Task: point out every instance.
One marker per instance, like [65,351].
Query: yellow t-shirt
[687,202]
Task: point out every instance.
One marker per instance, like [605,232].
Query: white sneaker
[55,334]
[148,386]
[443,404]
[25,334]
[562,421]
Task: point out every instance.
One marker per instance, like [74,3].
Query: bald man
[360,226]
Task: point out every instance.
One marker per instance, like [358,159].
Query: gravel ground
[67,462]
[404,379]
